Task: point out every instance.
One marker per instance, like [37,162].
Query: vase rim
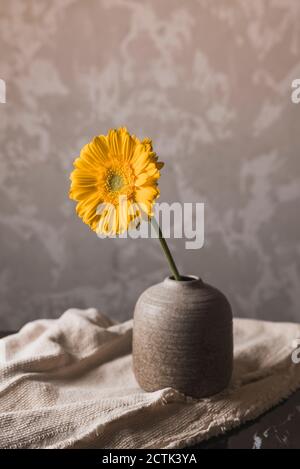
[185,280]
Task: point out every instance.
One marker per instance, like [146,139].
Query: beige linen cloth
[68,383]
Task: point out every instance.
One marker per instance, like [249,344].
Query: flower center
[115,181]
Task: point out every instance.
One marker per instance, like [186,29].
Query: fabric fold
[68,383]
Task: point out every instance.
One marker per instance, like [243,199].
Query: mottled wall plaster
[210,81]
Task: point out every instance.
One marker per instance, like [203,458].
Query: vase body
[183,338]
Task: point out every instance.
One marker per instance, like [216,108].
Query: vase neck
[188,281]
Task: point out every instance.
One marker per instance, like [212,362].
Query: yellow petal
[128,147]
[115,142]
[100,142]
[145,197]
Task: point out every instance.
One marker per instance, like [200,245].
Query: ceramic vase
[183,338]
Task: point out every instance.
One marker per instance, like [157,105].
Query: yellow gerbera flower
[115,181]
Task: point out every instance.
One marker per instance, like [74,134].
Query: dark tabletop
[277,429]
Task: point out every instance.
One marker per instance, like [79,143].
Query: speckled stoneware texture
[183,338]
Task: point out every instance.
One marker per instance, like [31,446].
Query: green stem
[166,250]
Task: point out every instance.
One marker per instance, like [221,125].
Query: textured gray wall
[210,81]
